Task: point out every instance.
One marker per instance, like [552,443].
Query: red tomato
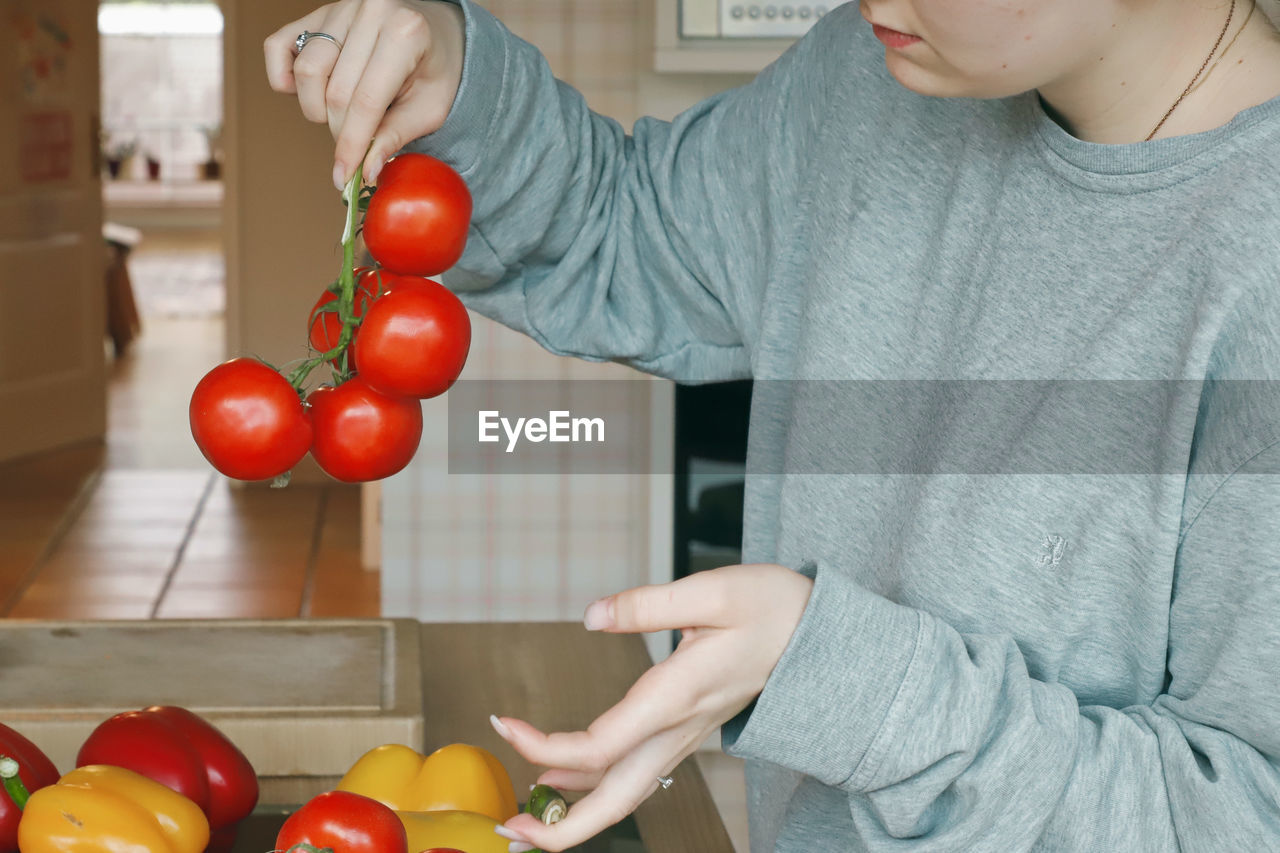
[346,823]
[418,217]
[326,327]
[248,421]
[414,340]
[362,435]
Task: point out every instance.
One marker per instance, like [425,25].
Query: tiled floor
[140,527]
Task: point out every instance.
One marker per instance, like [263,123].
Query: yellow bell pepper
[100,809]
[457,777]
[457,829]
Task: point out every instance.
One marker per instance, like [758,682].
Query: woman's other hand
[735,623]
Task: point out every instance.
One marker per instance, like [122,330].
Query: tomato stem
[346,290]
[13,783]
[347,278]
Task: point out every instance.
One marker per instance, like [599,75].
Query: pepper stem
[13,783]
[547,804]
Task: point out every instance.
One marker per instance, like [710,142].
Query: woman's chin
[911,76]
[951,84]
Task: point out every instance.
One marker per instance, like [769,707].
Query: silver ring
[665,782]
[301,41]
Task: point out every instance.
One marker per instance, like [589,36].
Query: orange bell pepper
[99,808]
[457,777]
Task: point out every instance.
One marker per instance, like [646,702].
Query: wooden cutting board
[299,697]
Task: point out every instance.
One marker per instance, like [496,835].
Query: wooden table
[557,676]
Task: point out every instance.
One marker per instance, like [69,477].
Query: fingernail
[371,176]
[510,834]
[339,177]
[519,847]
[500,727]
[599,615]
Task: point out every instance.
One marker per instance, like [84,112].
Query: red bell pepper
[34,769]
[183,751]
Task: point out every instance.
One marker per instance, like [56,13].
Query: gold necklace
[1243,26]
[1194,79]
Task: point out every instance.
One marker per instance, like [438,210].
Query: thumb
[391,136]
[692,602]
[385,144]
[398,128]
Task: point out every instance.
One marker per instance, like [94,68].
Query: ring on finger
[306,36]
[665,782]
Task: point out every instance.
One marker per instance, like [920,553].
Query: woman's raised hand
[391,77]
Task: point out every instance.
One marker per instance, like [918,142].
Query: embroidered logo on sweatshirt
[1052,548]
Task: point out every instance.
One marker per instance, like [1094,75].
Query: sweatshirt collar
[1145,165]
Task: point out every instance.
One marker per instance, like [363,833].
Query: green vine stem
[351,196]
[13,783]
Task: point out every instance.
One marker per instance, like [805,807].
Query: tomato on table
[418,216]
[345,822]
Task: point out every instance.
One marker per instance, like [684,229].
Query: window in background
[161,89]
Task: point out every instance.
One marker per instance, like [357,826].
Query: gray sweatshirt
[1055,644]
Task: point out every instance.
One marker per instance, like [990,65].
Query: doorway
[140,526]
[161,107]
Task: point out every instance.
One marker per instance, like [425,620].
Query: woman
[1054,644]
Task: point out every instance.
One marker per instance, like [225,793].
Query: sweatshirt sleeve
[651,248]
[948,744]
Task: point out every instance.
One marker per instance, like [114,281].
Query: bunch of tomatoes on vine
[389,335]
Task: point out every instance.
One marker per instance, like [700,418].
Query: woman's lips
[893,38]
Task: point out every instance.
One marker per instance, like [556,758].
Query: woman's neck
[1120,94]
